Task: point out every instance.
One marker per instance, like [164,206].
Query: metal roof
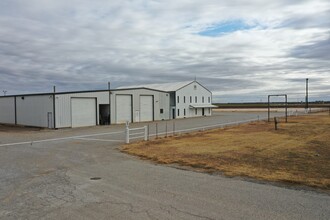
[167,87]
[86,91]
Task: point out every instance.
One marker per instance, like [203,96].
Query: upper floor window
[209,99]
[184,99]
[195,99]
[195,87]
[190,99]
[178,99]
[203,99]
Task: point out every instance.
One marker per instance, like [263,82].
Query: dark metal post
[54,109]
[275,121]
[109,103]
[173,128]
[286,108]
[306,94]
[166,130]
[156,130]
[268,108]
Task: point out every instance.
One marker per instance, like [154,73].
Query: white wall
[33,110]
[7,110]
[63,106]
[192,90]
[161,101]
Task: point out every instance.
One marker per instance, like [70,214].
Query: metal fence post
[127,133]
[145,133]
[166,130]
[275,121]
[156,130]
[173,128]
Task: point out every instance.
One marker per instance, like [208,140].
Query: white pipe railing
[131,136]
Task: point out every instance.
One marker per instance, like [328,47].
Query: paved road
[51,180]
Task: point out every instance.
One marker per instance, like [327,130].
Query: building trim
[54,111]
[87,91]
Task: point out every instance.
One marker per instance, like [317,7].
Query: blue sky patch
[225,28]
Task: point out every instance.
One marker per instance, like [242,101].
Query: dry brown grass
[297,153]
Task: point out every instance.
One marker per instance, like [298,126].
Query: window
[195,99]
[203,99]
[184,99]
[178,112]
[178,99]
[190,99]
[161,111]
[184,112]
[195,87]
[209,99]
[195,111]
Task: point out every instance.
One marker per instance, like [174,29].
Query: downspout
[54,88]
[109,103]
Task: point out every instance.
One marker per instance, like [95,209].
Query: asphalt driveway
[71,175]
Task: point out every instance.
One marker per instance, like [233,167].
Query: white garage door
[123,108]
[146,108]
[83,112]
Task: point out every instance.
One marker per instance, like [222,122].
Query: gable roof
[167,87]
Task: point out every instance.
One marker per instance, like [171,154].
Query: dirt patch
[297,153]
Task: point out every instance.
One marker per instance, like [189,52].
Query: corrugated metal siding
[161,101]
[33,110]
[63,106]
[7,110]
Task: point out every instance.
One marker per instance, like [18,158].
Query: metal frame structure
[286,105]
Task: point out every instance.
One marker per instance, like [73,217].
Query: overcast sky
[241,50]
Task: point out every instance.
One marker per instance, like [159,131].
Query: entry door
[146,108]
[83,112]
[203,111]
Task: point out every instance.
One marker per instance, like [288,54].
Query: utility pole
[4,92]
[306,104]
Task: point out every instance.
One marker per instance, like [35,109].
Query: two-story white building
[187,99]
[102,107]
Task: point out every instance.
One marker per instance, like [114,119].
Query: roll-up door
[123,108]
[83,112]
[146,108]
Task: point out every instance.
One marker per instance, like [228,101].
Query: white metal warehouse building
[187,99]
[102,107]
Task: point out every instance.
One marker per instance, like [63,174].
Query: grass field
[297,153]
[273,105]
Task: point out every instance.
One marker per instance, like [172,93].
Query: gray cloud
[80,45]
[319,50]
